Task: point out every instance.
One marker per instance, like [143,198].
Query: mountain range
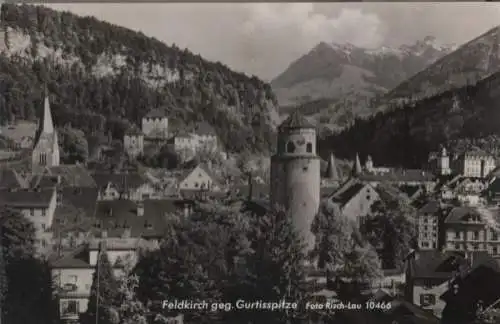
[452,103]
[345,78]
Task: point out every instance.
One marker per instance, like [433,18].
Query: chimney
[140,209]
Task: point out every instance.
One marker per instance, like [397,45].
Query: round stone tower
[296,174]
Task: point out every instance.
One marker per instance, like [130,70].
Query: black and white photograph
[250,163]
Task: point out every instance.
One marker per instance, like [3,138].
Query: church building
[46,149]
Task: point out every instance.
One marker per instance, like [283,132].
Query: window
[43,226]
[196,184]
[427,300]
[199,175]
[476,235]
[457,234]
[44,212]
[290,147]
[304,168]
[309,147]
[368,197]
[494,235]
[32,212]
[70,307]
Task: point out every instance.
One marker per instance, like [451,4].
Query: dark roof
[204,128]
[494,186]
[442,265]
[462,214]
[431,207]
[398,175]
[116,216]
[121,181]
[482,282]
[133,131]
[296,120]
[346,193]
[259,190]
[78,258]
[27,198]
[72,175]
[410,191]
[156,113]
[11,179]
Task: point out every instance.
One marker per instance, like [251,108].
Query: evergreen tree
[341,251]
[104,295]
[273,272]
[29,280]
[132,310]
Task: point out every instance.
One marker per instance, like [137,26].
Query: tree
[391,226]
[74,145]
[273,271]
[342,252]
[104,295]
[132,310]
[190,265]
[28,280]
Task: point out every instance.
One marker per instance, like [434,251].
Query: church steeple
[46,150]
[332,172]
[47,124]
[356,170]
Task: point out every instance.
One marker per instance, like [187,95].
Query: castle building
[46,150]
[296,174]
[133,143]
[475,164]
[155,125]
[443,163]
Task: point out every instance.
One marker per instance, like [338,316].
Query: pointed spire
[357,166]
[332,172]
[47,123]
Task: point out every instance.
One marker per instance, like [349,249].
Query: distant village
[456,198]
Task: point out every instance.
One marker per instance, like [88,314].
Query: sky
[264,38]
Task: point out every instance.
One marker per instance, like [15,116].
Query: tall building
[46,150]
[443,163]
[296,174]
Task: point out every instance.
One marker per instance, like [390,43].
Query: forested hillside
[103,77]
[465,118]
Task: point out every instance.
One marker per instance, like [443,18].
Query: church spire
[47,125]
[332,172]
[357,166]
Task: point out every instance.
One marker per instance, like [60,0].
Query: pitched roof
[77,259]
[442,265]
[347,192]
[9,178]
[27,198]
[431,207]
[116,216]
[295,120]
[156,113]
[462,214]
[396,175]
[187,172]
[72,175]
[121,181]
[204,128]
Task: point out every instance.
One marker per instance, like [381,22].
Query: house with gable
[355,199]
[200,178]
[38,206]
[73,271]
[471,229]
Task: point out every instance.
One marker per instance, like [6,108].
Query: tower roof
[47,123]
[357,170]
[296,120]
[332,172]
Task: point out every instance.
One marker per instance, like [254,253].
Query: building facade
[296,174]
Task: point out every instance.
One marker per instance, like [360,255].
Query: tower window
[290,147]
[309,147]
[305,168]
